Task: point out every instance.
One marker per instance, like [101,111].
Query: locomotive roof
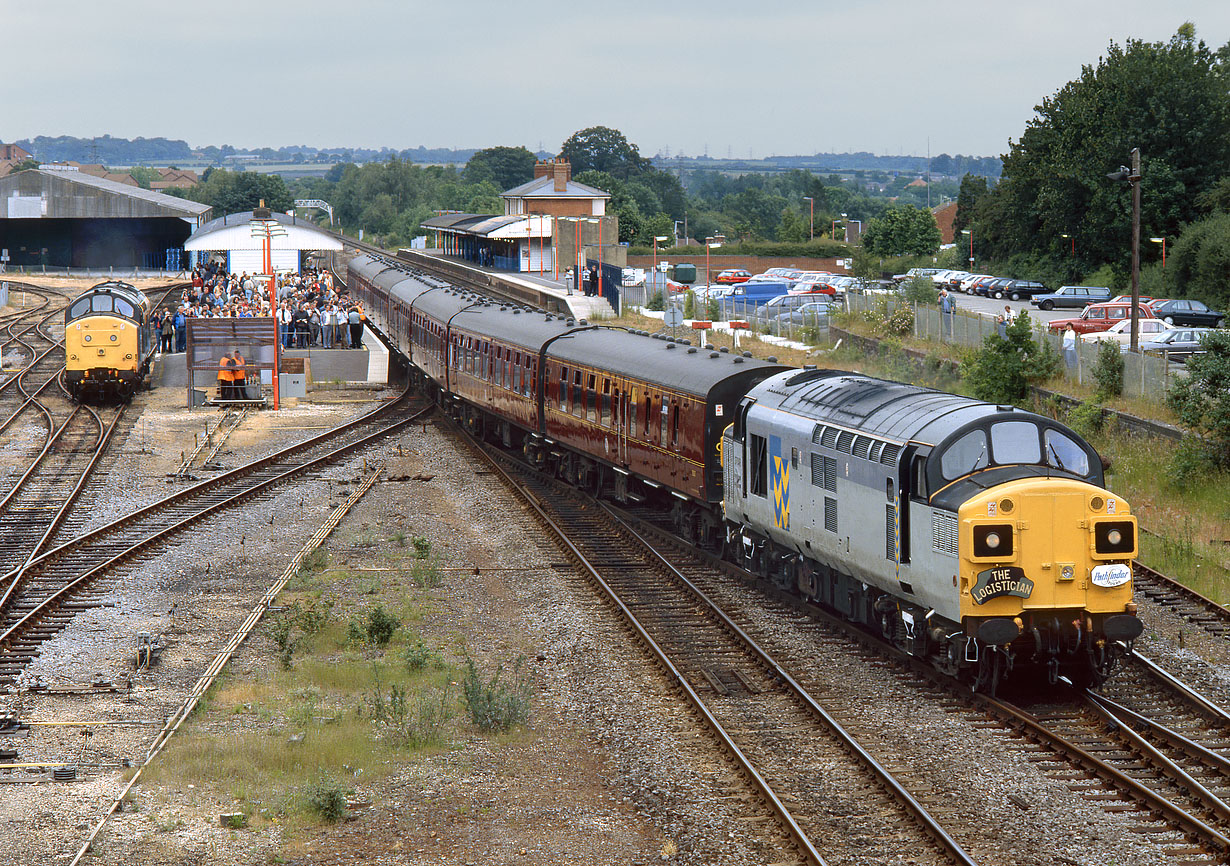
[687,369]
[115,287]
[875,406]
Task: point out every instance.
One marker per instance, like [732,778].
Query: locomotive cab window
[80,308]
[1015,442]
[1065,454]
[758,466]
[967,454]
[100,303]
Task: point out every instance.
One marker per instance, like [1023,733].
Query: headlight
[993,540]
[1114,537]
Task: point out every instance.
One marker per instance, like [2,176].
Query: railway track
[1185,602]
[42,596]
[833,798]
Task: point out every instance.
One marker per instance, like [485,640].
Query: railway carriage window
[794,458]
[649,416]
[100,303]
[1015,442]
[965,455]
[616,419]
[889,490]
[578,395]
[665,422]
[591,399]
[758,466]
[563,389]
[605,414]
[530,379]
[1064,453]
[632,398]
[918,479]
[675,424]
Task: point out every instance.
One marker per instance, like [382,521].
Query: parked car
[916,272]
[1187,312]
[814,288]
[1100,317]
[777,307]
[1017,289]
[877,287]
[967,284]
[1177,344]
[730,276]
[1127,299]
[988,288]
[749,295]
[809,314]
[1071,297]
[1121,333]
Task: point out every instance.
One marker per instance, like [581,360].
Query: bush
[313,615]
[922,290]
[1108,370]
[327,799]
[380,626]
[689,305]
[422,548]
[1189,465]
[1087,419]
[656,302]
[898,323]
[713,309]
[1202,398]
[494,705]
[280,631]
[1002,370]
[419,655]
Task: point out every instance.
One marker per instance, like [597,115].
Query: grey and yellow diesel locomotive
[980,537]
[107,345]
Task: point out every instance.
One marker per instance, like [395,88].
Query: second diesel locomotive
[107,345]
[977,536]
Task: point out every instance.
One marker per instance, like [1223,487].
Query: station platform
[369,365]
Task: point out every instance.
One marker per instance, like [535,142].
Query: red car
[1100,317]
[732,276]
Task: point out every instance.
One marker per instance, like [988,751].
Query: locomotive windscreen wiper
[1055,454]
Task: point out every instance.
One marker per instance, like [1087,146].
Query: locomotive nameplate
[996,582]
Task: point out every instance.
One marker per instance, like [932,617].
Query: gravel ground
[609,770]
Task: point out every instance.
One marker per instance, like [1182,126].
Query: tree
[603,149]
[505,167]
[1167,98]
[903,231]
[1200,260]
[1202,398]
[973,189]
[231,192]
[23,165]
[144,175]
[1002,370]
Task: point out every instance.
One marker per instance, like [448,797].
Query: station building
[66,218]
[550,224]
[231,238]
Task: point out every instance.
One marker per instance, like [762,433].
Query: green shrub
[327,799]
[494,705]
[419,656]
[313,615]
[380,626]
[656,302]
[922,290]
[1087,418]
[1002,370]
[689,305]
[1108,370]
[713,309]
[1189,464]
[422,547]
[280,631]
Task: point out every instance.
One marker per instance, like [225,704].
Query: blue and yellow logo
[779,483]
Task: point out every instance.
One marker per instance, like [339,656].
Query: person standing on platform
[593,281]
[181,330]
[226,377]
[356,327]
[239,381]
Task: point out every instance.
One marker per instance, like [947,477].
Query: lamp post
[970,232]
[1133,176]
[1162,241]
[811,218]
[656,238]
[833,229]
[709,245]
[265,227]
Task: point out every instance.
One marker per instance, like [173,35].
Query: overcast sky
[722,77]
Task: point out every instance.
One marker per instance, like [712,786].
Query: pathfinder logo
[779,483]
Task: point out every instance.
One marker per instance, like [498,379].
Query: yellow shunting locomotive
[107,345]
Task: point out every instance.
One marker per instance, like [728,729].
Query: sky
[720,77]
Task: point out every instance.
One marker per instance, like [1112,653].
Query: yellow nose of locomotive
[101,343]
[1045,544]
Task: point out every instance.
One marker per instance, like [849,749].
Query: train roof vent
[747,354]
[844,441]
[724,350]
[738,360]
[874,454]
[709,346]
[670,345]
[691,350]
[516,312]
[583,323]
[862,447]
[807,375]
[772,359]
[889,455]
[817,434]
[715,354]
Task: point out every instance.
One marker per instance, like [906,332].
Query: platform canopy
[233,235]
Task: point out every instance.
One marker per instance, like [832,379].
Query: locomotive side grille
[844,441]
[862,446]
[817,435]
[944,533]
[830,437]
[874,455]
[830,514]
[817,470]
[890,531]
[830,474]
[889,454]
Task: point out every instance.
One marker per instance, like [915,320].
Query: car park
[968,281]
[988,288]
[1100,317]
[1121,333]
[1177,344]
[1188,312]
[1071,297]
[730,276]
[813,288]
[1127,299]
[916,272]
[808,314]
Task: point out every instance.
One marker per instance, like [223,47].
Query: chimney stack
[542,168]
[563,174]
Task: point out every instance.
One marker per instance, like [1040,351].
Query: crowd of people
[311,310]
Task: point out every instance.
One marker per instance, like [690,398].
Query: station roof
[234,232]
[544,187]
[56,194]
[492,226]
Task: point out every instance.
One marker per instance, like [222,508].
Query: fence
[1148,376]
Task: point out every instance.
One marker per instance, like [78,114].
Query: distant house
[944,217]
[11,155]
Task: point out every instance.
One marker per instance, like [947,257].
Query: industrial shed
[233,236]
[65,218]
